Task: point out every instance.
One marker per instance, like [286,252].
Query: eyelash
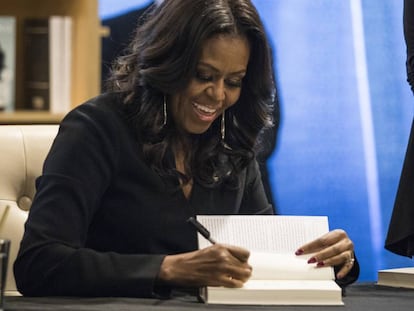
[207,78]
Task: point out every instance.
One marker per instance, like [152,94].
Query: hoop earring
[223,126]
[165,111]
[223,131]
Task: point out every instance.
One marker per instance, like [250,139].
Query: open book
[279,277]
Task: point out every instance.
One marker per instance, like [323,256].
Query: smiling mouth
[204,109]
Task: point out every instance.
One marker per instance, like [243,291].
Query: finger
[338,260]
[230,281]
[346,268]
[230,269]
[236,277]
[335,254]
[322,242]
[240,253]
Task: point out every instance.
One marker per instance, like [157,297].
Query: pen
[201,229]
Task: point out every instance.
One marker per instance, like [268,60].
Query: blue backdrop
[346,114]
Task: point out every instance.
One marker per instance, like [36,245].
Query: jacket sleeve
[53,259]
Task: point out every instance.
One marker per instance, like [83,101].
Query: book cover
[279,277]
[36,64]
[47,57]
[7,62]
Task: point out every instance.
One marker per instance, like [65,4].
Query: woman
[174,137]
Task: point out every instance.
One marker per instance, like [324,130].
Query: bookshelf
[85,52]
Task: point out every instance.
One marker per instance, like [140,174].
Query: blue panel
[108,8]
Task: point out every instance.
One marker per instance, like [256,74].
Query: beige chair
[23,149]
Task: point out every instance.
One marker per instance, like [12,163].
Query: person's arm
[53,257]
[408,18]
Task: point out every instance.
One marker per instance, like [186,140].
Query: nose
[217,91]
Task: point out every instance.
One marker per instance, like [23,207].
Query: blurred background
[346,112]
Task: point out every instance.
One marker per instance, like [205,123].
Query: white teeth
[204,108]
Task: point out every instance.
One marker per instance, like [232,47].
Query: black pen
[201,229]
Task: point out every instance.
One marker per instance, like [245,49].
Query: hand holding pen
[216,265]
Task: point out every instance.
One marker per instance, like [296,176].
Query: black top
[400,237]
[102,221]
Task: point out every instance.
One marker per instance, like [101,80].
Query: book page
[274,266]
[277,293]
[272,242]
[264,233]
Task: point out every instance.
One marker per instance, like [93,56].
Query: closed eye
[234,82]
[204,76]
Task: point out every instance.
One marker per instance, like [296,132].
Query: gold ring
[350,261]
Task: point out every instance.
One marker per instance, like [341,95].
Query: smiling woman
[173,137]
[216,85]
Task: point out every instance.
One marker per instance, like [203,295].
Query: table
[360,296]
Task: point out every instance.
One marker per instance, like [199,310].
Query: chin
[198,129]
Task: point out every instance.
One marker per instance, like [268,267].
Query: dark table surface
[360,296]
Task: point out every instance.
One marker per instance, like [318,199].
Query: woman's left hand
[334,248]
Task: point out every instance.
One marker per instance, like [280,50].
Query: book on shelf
[397,277]
[279,277]
[7,62]
[47,63]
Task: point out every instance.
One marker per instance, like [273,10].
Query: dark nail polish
[312,260]
[299,252]
[320,264]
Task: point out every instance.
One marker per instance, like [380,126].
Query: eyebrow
[243,71]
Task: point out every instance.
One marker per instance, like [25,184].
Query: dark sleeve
[53,258]
[408,18]
[351,277]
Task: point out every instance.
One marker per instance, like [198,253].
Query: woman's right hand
[216,265]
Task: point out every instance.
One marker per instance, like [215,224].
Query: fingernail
[312,260]
[299,252]
[320,264]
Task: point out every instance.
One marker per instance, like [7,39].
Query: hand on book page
[334,248]
[215,265]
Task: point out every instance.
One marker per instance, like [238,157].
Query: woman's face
[216,84]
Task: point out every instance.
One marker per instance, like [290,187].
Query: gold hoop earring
[165,111]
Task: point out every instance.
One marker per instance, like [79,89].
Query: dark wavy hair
[161,60]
